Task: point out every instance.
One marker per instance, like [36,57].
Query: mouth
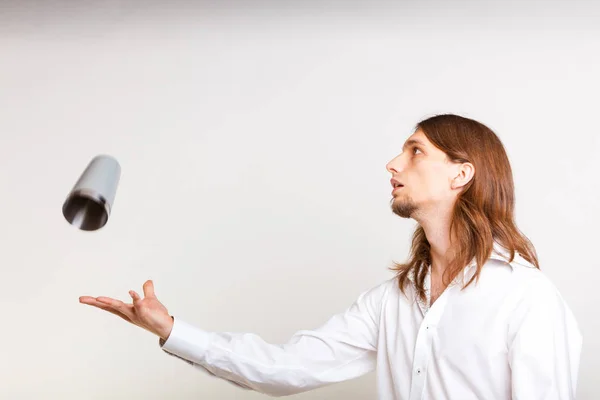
[396,185]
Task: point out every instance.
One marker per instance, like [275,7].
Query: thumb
[149,289]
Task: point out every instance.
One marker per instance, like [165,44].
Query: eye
[415,149]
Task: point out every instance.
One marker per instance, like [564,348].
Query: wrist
[167,331]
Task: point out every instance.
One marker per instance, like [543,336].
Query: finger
[149,289]
[93,302]
[117,305]
[114,303]
[87,299]
[136,297]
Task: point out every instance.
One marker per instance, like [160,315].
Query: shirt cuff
[186,341]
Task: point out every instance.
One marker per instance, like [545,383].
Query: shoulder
[536,298]
[524,286]
[376,296]
[524,274]
[381,289]
[520,277]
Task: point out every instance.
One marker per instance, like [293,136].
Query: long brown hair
[484,211]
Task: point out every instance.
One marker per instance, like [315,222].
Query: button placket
[423,345]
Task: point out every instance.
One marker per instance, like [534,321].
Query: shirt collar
[499,253]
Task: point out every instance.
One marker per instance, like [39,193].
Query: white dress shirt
[508,336]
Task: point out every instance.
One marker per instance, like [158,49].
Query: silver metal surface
[89,203]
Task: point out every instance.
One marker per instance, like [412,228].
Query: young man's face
[425,175]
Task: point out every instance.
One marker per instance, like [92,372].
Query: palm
[147,312]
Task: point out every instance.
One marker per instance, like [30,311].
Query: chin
[404,208]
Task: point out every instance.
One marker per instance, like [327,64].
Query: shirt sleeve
[343,348]
[544,346]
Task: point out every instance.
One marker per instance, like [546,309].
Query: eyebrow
[412,142]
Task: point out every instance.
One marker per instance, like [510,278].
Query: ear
[465,173]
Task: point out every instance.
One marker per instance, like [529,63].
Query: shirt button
[418,371]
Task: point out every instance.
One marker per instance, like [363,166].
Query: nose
[390,168]
[394,165]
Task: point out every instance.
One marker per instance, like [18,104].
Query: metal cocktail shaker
[88,205]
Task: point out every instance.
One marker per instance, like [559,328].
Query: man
[469,316]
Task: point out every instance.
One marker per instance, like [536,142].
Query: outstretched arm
[343,348]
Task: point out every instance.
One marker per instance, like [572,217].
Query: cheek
[436,184]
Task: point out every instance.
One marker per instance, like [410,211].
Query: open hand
[147,312]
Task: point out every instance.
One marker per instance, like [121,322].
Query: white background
[253,138]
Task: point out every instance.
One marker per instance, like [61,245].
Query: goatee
[404,209]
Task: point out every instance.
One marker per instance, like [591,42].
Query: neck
[436,225]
